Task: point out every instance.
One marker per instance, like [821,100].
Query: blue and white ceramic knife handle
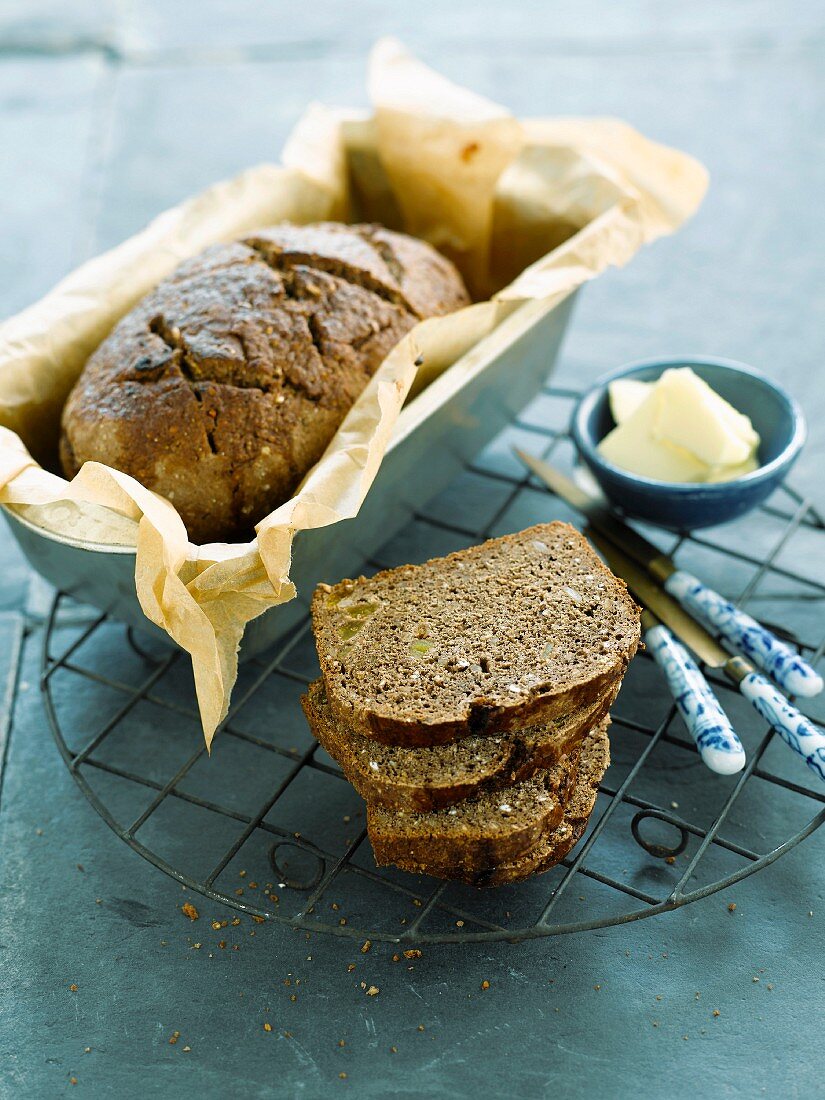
[708,724]
[794,728]
[753,640]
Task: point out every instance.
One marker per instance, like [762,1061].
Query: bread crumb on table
[485,984]
[189,910]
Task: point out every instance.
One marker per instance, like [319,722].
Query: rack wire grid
[270,826]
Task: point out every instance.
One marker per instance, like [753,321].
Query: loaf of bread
[225,384]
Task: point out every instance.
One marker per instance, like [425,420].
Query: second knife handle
[794,728]
[754,641]
[708,724]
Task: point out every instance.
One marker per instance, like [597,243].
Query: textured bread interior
[489,828]
[431,777]
[505,634]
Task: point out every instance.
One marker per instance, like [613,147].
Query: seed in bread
[432,777]
[514,632]
[226,383]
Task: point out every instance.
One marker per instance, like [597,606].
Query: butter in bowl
[690,442]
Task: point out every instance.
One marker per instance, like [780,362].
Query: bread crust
[461,847]
[494,761]
[546,851]
[553,848]
[225,384]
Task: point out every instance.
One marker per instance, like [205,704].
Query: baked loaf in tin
[226,383]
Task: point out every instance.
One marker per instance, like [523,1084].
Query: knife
[739,630]
[794,728]
[709,726]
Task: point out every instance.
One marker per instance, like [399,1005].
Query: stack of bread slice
[467,700]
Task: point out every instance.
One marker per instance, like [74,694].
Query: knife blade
[791,671]
[797,731]
[602,519]
[663,606]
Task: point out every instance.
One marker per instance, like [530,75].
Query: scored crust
[513,632]
[225,384]
[432,777]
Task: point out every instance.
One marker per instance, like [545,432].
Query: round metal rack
[270,826]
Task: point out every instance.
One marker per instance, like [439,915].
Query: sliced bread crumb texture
[480,833]
[516,631]
[434,777]
[593,762]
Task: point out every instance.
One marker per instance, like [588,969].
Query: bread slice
[593,762]
[431,778]
[476,836]
[511,633]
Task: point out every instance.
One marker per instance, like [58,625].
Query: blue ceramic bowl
[775,415]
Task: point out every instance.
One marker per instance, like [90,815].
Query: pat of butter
[634,446]
[693,415]
[626,395]
[728,473]
[678,429]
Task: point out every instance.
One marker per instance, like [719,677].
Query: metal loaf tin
[437,433]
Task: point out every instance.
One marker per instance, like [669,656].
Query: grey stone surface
[110,112]
[48,112]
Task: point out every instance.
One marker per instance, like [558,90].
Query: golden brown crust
[226,383]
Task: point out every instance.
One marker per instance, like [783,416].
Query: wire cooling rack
[270,826]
